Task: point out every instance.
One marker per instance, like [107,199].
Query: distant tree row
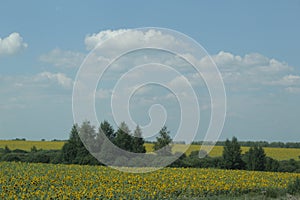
[254,159]
[258,143]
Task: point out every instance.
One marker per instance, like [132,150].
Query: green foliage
[6,149]
[39,157]
[107,130]
[255,159]
[274,193]
[272,165]
[294,187]
[74,150]
[33,149]
[138,141]
[124,138]
[12,157]
[163,142]
[88,136]
[232,155]
[289,166]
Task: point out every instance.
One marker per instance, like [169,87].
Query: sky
[255,45]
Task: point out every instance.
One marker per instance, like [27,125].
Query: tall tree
[163,142]
[107,129]
[232,155]
[138,141]
[74,150]
[123,137]
[88,135]
[255,158]
[70,148]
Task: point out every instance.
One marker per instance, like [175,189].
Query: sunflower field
[47,181]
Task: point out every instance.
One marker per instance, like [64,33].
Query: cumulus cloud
[252,70]
[249,72]
[12,44]
[288,80]
[253,61]
[60,58]
[132,38]
[92,40]
[58,78]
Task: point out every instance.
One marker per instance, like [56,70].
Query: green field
[276,153]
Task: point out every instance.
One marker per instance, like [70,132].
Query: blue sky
[43,44]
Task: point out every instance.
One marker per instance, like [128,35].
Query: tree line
[74,151]
[258,143]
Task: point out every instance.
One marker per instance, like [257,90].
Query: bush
[40,157]
[14,157]
[19,151]
[294,187]
[274,192]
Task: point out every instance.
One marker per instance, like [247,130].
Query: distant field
[276,153]
[27,145]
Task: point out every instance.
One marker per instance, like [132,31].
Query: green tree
[6,149]
[272,165]
[138,141]
[255,159]
[33,149]
[107,129]
[74,151]
[88,145]
[232,155]
[163,142]
[70,148]
[124,138]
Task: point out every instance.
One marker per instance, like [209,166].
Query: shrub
[294,187]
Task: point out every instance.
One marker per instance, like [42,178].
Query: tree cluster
[254,159]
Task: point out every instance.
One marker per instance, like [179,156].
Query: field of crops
[45,181]
[276,153]
[27,145]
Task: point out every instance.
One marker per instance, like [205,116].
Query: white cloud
[92,40]
[21,91]
[180,83]
[134,38]
[60,58]
[58,78]
[253,61]
[12,44]
[288,80]
[249,72]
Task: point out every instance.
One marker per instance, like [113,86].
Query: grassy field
[276,153]
[48,181]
